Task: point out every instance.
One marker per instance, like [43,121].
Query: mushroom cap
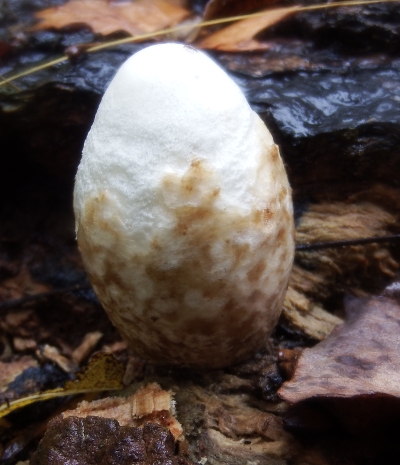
[183,211]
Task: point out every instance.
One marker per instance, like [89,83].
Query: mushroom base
[207,291]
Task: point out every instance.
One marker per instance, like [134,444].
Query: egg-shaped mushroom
[183,211]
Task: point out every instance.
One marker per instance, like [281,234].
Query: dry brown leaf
[359,358]
[105,17]
[240,36]
[103,373]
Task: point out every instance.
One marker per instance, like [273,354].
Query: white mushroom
[183,212]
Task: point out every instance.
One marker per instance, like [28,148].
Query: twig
[346,243]
[12,84]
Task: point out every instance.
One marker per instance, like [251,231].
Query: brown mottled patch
[256,272]
[239,251]
[195,308]
[286,217]
[201,326]
[284,256]
[267,215]
[274,154]
[256,295]
[282,194]
[281,234]
[262,216]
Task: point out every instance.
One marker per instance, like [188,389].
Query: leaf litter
[361,357]
[105,17]
[103,373]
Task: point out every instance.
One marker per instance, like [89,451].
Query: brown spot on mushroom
[185,306]
[274,153]
[256,272]
[267,215]
[282,194]
[281,236]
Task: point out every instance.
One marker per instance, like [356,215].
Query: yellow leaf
[104,373]
[239,36]
[106,17]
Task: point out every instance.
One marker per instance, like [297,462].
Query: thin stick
[346,243]
[12,84]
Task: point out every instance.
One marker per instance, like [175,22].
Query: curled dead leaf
[240,36]
[105,17]
[103,373]
[359,358]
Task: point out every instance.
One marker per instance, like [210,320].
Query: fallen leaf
[351,382]
[33,379]
[240,35]
[106,17]
[360,357]
[103,373]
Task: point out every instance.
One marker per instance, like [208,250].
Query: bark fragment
[95,440]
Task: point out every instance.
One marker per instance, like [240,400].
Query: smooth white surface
[168,105]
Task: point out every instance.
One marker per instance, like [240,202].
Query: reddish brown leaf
[103,373]
[240,35]
[359,358]
[105,17]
